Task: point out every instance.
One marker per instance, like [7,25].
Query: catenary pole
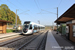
[57,18]
[16,20]
[38,21]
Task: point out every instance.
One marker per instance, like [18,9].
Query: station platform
[58,42]
[51,43]
[8,35]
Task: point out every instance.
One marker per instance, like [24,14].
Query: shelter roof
[67,16]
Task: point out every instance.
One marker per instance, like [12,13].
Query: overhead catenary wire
[14,5]
[11,3]
[36,5]
[10,6]
[50,8]
[59,3]
[18,2]
[48,11]
[45,10]
[23,12]
[30,14]
[39,7]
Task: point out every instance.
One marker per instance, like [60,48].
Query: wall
[71,32]
[2,27]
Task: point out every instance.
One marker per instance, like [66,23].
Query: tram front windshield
[26,26]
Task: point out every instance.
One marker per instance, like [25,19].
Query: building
[69,19]
[3,25]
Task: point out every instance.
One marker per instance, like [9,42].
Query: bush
[9,30]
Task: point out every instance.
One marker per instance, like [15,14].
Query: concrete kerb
[8,35]
[51,43]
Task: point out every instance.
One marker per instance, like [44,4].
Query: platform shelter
[3,25]
[69,19]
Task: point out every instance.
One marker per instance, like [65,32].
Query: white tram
[31,27]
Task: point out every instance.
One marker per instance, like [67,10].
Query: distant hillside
[8,15]
[48,27]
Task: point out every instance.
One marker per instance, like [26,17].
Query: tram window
[26,26]
[39,27]
[27,22]
[35,27]
[30,26]
[43,27]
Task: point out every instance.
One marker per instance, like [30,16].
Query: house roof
[67,16]
[5,21]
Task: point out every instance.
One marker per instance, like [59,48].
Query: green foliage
[8,15]
[9,30]
[62,29]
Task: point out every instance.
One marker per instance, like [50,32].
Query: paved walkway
[58,42]
[63,42]
[8,34]
[51,43]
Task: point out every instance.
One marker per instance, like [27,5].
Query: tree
[8,15]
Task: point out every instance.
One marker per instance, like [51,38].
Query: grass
[9,30]
[10,26]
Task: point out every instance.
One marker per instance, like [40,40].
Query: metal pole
[57,18]
[38,21]
[16,20]
[53,25]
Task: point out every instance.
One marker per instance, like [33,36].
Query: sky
[38,10]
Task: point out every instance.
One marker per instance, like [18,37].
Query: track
[9,38]
[11,41]
[16,43]
[33,44]
[42,45]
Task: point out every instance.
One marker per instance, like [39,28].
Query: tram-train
[31,27]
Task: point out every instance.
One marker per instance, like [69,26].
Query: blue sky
[42,10]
